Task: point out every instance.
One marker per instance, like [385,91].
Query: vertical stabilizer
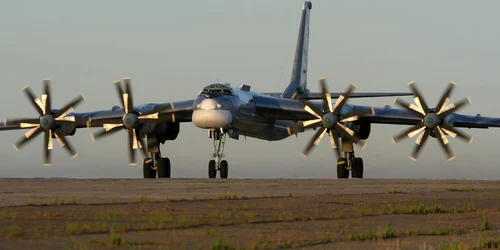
[298,81]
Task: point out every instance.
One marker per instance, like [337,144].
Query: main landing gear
[218,142]
[349,162]
[155,164]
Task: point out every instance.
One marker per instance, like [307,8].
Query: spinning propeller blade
[433,121]
[131,121]
[47,122]
[331,120]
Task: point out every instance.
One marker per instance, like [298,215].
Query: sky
[172,49]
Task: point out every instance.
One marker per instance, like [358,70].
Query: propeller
[432,121]
[331,120]
[48,121]
[131,121]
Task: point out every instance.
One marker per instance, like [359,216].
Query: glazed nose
[209,104]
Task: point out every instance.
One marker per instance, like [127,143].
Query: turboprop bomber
[226,111]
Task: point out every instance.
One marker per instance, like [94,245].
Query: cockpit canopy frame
[217,89]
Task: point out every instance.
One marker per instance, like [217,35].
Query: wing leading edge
[318,96]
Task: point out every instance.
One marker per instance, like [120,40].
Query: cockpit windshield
[217,89]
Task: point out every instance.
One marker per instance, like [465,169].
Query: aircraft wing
[401,116]
[288,109]
[318,95]
[179,111]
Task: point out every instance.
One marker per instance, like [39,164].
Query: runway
[247,213]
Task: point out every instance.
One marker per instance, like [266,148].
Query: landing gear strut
[218,143]
[155,164]
[349,162]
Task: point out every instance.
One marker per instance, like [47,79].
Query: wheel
[342,172]
[211,169]
[152,173]
[147,171]
[224,169]
[357,168]
[164,168]
[168,167]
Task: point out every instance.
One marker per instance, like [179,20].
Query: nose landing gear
[217,164]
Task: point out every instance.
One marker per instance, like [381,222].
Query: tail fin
[298,81]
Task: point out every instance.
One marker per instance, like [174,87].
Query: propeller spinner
[330,119]
[48,121]
[432,121]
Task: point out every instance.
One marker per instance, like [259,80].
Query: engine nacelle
[66,129]
[433,133]
[448,120]
[171,131]
[362,129]
[163,131]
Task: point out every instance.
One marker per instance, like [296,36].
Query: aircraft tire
[357,168]
[211,169]
[147,171]
[224,169]
[164,168]
[342,172]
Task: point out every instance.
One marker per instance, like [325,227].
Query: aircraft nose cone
[208,104]
[208,119]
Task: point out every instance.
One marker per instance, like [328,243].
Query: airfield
[248,214]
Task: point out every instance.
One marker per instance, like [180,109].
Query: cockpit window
[217,89]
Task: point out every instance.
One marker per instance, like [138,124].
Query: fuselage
[221,106]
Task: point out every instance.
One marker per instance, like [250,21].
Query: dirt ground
[249,214]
